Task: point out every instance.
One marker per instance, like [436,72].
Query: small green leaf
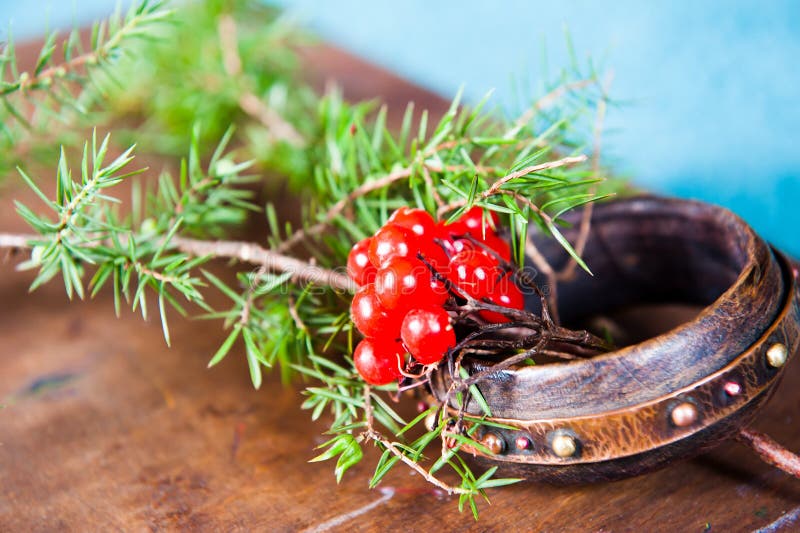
[253,360]
[226,346]
[567,246]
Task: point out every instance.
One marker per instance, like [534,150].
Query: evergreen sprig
[213,68]
[350,170]
[63,81]
[87,230]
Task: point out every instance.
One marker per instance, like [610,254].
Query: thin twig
[568,272]
[770,451]
[426,175]
[401,174]
[337,208]
[246,252]
[548,99]
[496,186]
[532,251]
[249,252]
[94,57]
[251,104]
[505,364]
[298,321]
[430,478]
[249,296]
[374,435]
[17,241]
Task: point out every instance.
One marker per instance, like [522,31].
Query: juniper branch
[135,24]
[246,252]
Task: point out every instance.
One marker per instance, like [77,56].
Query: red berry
[359,267]
[370,317]
[448,231]
[434,254]
[378,361]
[499,245]
[476,221]
[507,294]
[428,334]
[403,283]
[392,241]
[472,222]
[459,245]
[474,272]
[416,220]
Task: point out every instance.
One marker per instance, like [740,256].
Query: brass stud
[522,442]
[777,355]
[732,388]
[495,444]
[684,414]
[564,445]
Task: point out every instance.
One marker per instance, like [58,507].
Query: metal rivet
[732,388]
[684,414]
[564,445]
[495,444]
[777,355]
[523,443]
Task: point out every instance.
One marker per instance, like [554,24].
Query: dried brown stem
[770,451]
[376,436]
[249,252]
[495,187]
[568,272]
[337,208]
[249,295]
[47,75]
[251,104]
[426,175]
[548,100]
[16,241]
[298,321]
[502,365]
[246,252]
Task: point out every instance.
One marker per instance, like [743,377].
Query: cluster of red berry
[399,304]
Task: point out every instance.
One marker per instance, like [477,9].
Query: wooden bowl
[672,396]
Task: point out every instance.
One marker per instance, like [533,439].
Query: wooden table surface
[104,428]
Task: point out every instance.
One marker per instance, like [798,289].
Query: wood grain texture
[103,428]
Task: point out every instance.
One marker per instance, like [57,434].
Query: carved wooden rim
[661,421]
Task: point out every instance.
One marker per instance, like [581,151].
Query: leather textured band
[714,401]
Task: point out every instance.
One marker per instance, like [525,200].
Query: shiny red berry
[392,241]
[459,245]
[428,334]
[480,222]
[378,361]
[402,283]
[434,254]
[507,294]
[474,272]
[416,220]
[499,245]
[370,317]
[473,222]
[359,267]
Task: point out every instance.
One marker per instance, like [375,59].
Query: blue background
[711,88]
